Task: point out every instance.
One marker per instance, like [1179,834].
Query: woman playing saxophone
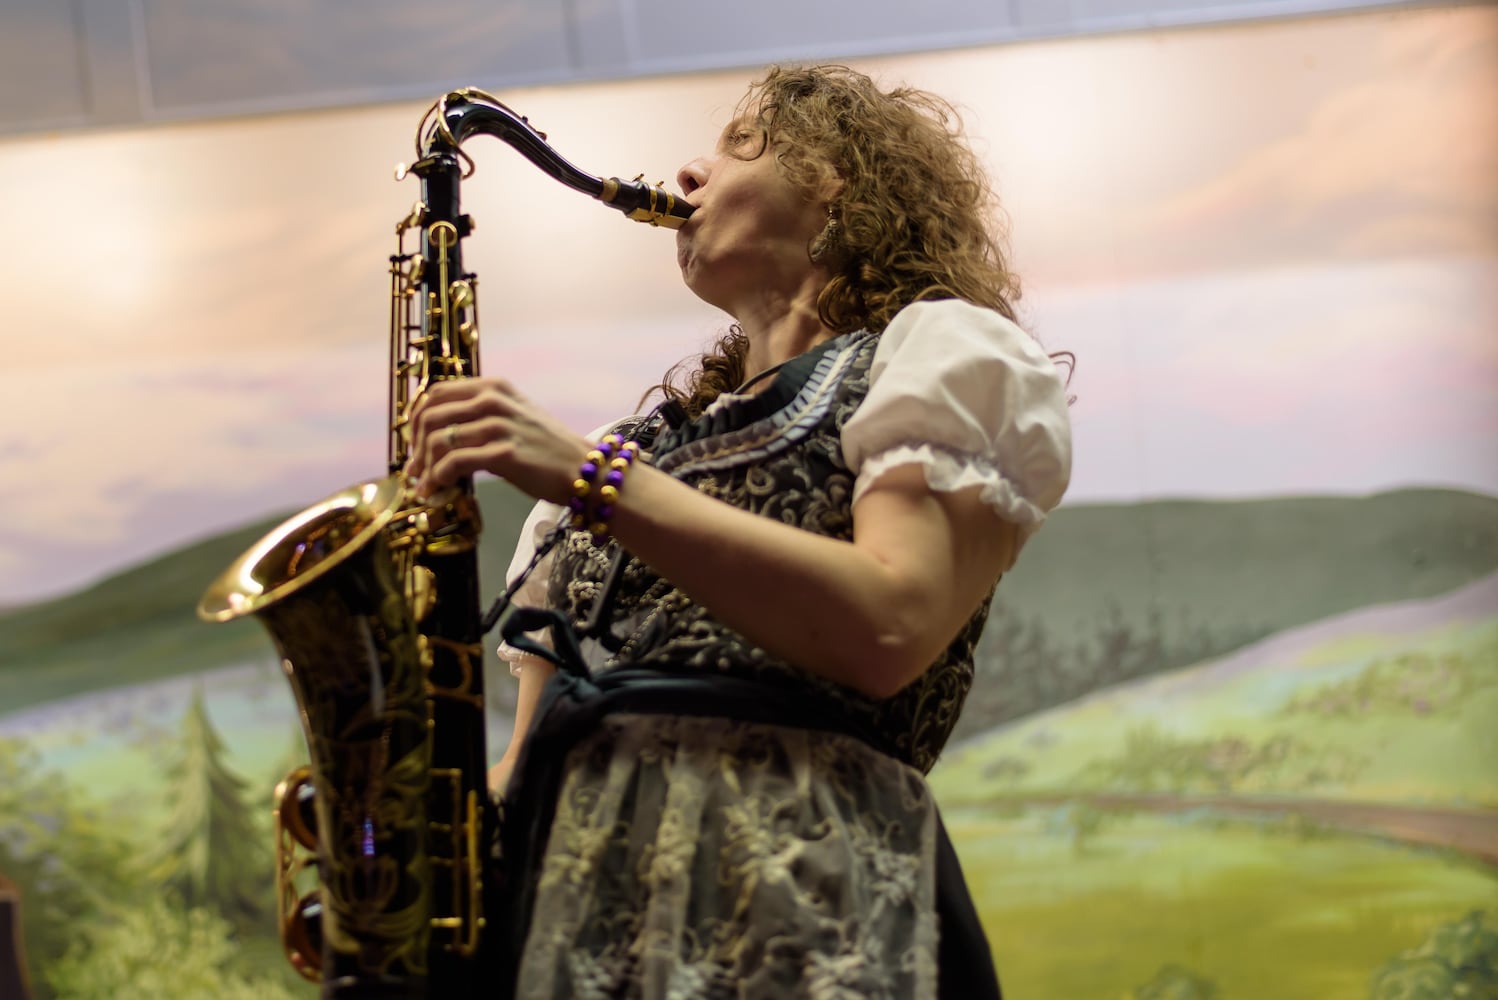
[823,513]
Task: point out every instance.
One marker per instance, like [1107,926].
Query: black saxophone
[372,600]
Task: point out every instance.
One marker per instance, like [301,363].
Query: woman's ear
[829,189]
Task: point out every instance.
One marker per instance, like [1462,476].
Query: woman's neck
[780,330]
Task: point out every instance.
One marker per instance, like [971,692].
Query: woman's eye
[745,142]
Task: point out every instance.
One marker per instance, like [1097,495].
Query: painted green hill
[139,625]
[1268,563]
[1106,592]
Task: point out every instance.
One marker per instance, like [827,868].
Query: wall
[1229,734]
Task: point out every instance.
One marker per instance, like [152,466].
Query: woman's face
[749,235]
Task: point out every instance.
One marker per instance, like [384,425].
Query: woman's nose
[692,176]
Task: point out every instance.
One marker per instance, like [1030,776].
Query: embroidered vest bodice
[776,454]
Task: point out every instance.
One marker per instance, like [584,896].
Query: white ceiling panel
[690,34]
[87,63]
[41,64]
[271,53]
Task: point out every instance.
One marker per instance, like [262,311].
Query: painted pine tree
[212,853]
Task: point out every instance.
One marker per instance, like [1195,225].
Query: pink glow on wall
[1274,248]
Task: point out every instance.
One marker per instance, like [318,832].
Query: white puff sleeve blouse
[971,398]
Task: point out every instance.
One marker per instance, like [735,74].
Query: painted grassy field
[1103,843]
[1391,705]
[1081,907]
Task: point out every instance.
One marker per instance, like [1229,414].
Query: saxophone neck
[470,111]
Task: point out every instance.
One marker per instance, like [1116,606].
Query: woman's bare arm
[534,673]
[872,613]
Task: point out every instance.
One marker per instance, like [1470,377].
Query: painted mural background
[1232,734]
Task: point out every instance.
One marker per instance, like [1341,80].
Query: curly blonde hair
[915,217]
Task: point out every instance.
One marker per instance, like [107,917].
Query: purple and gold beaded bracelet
[618,454]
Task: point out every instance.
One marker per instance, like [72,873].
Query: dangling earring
[827,246]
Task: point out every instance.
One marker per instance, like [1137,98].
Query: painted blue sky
[1274,248]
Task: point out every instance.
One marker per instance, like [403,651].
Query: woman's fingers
[441,415]
[463,449]
[448,434]
[466,426]
[460,400]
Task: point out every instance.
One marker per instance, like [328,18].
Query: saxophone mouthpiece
[648,203]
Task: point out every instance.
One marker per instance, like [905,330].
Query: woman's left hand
[464,425]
